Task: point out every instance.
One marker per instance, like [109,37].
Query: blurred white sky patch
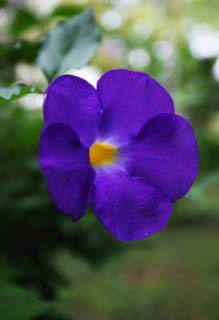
[111,20]
[32,101]
[204,42]
[215,70]
[142,29]
[114,47]
[29,74]
[4,18]
[41,7]
[138,58]
[44,6]
[126,3]
[89,73]
[164,50]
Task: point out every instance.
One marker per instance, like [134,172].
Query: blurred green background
[51,268]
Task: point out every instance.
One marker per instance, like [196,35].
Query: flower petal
[73,101]
[129,99]
[129,208]
[166,154]
[65,165]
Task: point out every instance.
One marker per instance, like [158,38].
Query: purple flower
[120,148]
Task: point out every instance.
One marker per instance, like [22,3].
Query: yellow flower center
[102,154]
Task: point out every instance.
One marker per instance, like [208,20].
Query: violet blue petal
[166,154]
[73,101]
[65,165]
[129,99]
[129,208]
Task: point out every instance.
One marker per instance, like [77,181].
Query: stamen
[102,154]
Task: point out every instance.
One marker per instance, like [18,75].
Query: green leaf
[14,52]
[21,50]
[16,91]
[67,11]
[3,3]
[23,21]
[71,44]
[19,304]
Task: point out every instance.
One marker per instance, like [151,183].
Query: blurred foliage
[16,91]
[12,53]
[54,269]
[170,281]
[17,303]
[23,21]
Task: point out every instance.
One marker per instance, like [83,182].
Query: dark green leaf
[19,304]
[3,3]
[70,45]
[11,53]
[16,91]
[23,20]
[67,11]
[22,50]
